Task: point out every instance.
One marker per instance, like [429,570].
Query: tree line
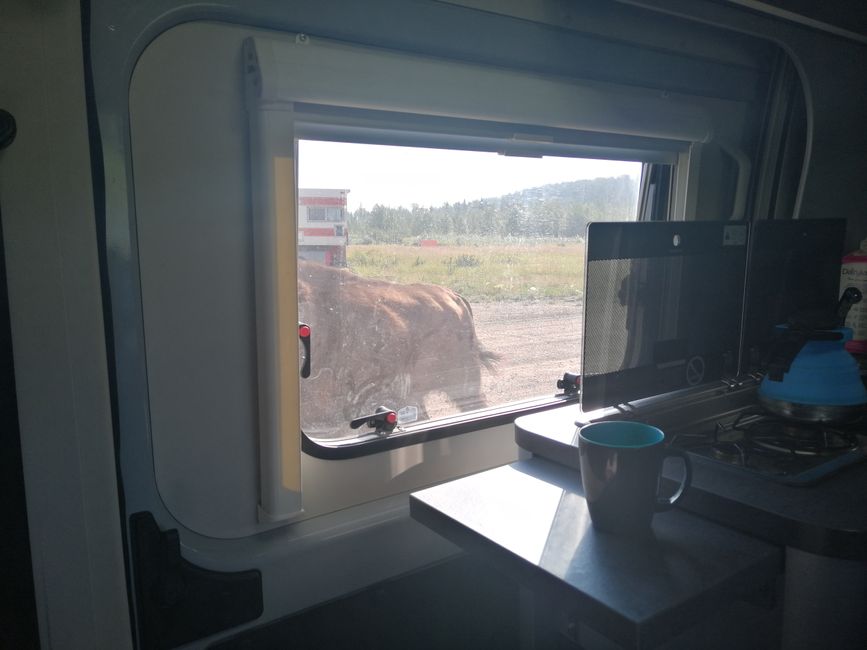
[558,210]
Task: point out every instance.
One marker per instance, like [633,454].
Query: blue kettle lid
[822,373]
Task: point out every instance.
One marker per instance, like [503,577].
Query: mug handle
[664,503]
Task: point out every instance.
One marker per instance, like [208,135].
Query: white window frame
[290,79]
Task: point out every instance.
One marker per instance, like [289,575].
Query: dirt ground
[531,339]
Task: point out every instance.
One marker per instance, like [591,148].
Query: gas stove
[755,441]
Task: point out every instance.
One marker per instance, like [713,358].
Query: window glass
[445,281]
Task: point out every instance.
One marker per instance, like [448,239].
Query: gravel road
[537,342]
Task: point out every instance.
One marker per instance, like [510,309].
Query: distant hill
[556,210]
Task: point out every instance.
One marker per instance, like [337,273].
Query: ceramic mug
[621,467]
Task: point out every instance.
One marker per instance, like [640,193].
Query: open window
[453,287]
[461,288]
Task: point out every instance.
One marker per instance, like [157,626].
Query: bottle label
[854,274]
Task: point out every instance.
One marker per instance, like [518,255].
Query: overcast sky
[401,176]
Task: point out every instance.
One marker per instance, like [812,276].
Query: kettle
[810,375]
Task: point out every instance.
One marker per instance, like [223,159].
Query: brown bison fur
[383,343]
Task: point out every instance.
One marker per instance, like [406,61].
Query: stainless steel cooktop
[795,453]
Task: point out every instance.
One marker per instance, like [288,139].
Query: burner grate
[773,447]
[778,435]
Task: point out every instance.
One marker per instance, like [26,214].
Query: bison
[382,343]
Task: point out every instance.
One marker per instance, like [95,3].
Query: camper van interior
[310,311]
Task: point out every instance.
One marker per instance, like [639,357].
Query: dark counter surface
[828,518]
[531,519]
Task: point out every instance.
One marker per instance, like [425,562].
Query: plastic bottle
[853,273]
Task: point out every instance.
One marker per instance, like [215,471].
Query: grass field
[480,273]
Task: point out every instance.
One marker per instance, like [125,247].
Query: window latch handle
[570,384]
[304,335]
[383,420]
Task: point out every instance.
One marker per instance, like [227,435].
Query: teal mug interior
[623,435]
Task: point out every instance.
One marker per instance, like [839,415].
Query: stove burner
[777,448]
[776,435]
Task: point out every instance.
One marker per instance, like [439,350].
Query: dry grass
[480,273]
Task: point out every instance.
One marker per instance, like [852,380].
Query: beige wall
[57,331]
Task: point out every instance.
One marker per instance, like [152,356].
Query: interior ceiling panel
[843,17]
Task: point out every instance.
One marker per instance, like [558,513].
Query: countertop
[828,518]
[530,518]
